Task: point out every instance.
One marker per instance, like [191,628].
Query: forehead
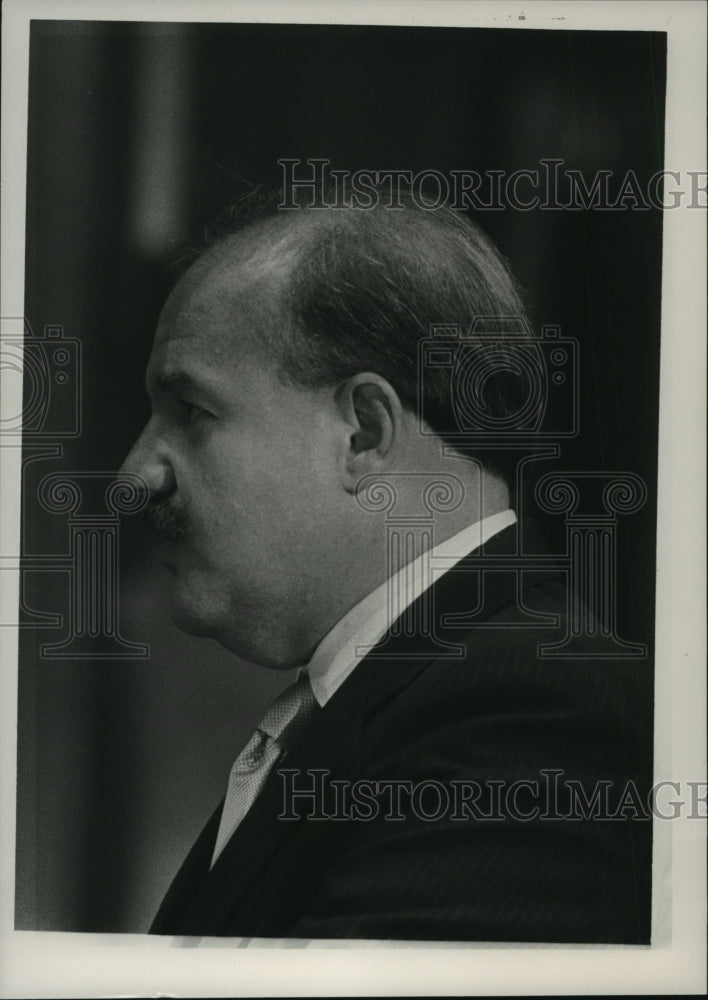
[227,305]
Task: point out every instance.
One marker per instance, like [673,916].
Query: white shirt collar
[345,645]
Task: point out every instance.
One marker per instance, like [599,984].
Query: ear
[376,423]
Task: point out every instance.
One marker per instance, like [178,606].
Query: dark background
[138,135]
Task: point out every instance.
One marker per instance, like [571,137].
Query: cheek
[261,485]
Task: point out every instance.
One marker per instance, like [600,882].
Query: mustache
[165,518]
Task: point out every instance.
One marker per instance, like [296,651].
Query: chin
[186,620]
[198,614]
[193,613]
[202,611]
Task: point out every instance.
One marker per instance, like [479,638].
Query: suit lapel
[194,867]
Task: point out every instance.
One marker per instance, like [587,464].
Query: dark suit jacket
[496,715]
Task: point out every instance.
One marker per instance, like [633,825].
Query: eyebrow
[171,381]
[174,380]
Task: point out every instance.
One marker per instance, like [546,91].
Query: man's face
[239,466]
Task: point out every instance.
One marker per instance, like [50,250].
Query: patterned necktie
[283,722]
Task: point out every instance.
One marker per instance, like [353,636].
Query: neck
[425,511]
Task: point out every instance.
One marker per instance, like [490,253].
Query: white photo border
[39,964]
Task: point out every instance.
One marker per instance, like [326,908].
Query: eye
[190,411]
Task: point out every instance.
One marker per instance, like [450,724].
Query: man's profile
[393,791]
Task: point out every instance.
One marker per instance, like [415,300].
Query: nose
[149,459]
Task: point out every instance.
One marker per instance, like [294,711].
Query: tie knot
[290,712]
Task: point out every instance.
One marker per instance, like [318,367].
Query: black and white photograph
[353,490]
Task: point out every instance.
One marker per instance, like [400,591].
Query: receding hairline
[265,246]
[236,261]
[259,258]
[286,235]
[269,266]
[275,246]
[246,271]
